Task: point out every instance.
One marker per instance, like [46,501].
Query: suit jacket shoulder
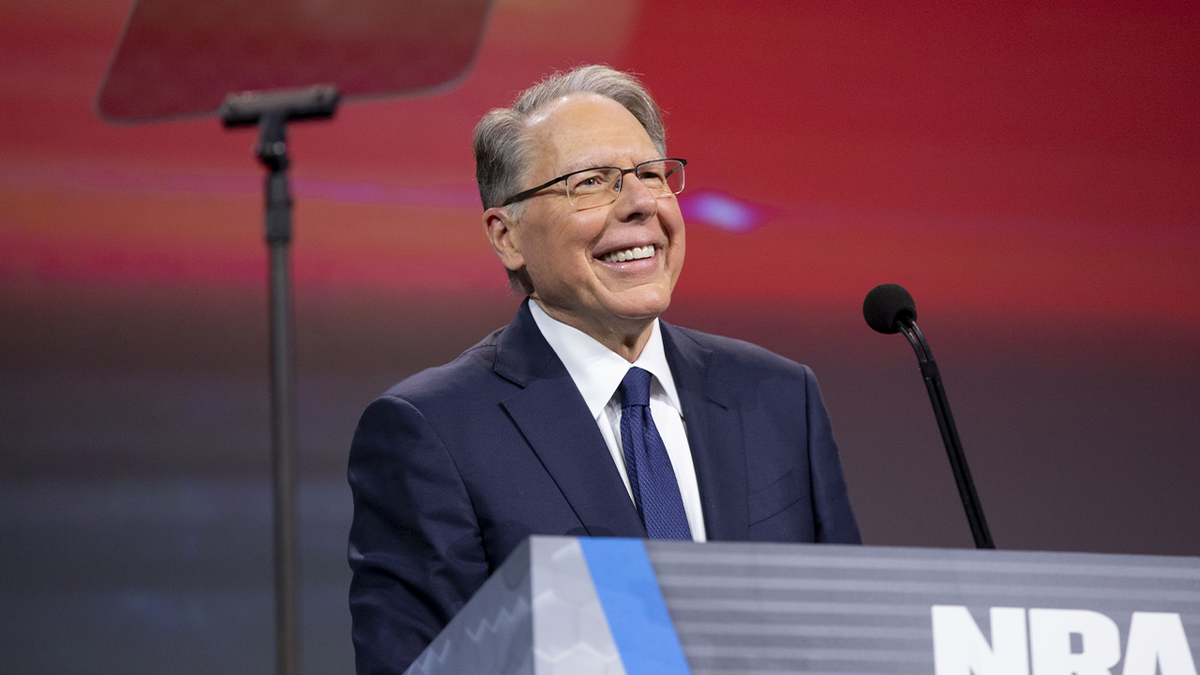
[461,376]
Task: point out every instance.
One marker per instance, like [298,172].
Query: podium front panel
[774,608]
[628,607]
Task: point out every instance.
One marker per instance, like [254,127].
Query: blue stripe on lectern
[633,604]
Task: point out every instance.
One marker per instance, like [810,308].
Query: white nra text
[1058,642]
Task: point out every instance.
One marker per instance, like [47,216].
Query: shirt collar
[597,370]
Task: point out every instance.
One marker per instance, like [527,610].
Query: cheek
[555,263]
[560,252]
[678,243]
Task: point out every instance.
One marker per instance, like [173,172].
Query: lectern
[624,606]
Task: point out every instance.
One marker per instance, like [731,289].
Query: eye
[591,180]
[652,175]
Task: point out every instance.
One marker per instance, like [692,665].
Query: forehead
[584,130]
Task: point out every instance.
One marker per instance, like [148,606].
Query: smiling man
[586,415]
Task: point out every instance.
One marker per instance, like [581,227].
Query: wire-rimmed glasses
[601,185]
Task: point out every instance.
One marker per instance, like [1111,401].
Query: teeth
[635,253]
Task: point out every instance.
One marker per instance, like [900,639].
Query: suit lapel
[714,431]
[554,419]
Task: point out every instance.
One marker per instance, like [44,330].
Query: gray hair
[501,156]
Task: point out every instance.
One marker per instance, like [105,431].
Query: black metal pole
[272,111]
[945,420]
[272,152]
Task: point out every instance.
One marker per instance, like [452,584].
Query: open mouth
[628,254]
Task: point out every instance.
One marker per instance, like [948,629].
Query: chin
[642,305]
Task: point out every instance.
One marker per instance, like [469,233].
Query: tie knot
[635,388]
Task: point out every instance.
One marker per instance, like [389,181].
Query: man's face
[563,248]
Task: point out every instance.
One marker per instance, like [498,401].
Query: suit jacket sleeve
[834,519]
[415,545]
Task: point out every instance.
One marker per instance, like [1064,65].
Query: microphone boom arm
[945,420]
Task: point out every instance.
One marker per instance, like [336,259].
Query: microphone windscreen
[886,305]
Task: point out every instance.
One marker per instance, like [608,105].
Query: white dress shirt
[598,371]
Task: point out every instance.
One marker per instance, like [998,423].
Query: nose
[635,201]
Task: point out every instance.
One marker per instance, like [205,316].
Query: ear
[503,233]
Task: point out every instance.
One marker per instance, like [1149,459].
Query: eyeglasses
[600,185]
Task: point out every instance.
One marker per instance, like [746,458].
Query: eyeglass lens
[595,187]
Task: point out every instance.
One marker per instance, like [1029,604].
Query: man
[586,415]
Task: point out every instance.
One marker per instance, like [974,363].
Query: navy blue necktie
[651,476]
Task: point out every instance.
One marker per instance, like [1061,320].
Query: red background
[1030,171]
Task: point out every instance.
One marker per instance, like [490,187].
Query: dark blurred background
[1030,171]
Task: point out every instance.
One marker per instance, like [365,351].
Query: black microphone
[886,306]
[889,309]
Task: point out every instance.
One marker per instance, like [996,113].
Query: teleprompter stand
[181,58]
[272,111]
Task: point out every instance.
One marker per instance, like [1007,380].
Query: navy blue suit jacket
[455,466]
